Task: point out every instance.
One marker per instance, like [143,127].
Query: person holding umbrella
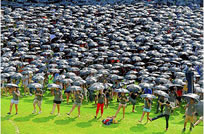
[190,112]
[57,99]
[78,99]
[147,105]
[15,99]
[166,113]
[25,80]
[133,96]
[101,97]
[123,99]
[38,98]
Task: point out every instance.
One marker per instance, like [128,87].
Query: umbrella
[144,85]
[191,95]
[35,85]
[121,90]
[10,85]
[74,88]
[160,87]
[199,108]
[17,76]
[161,93]
[134,88]
[149,96]
[97,86]
[50,86]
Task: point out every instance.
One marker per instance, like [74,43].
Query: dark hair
[167,102]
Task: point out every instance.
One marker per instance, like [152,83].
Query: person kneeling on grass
[123,99]
[147,109]
[38,99]
[190,112]
[101,100]
[78,102]
[166,113]
[57,100]
[15,100]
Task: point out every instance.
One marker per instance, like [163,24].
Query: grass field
[27,123]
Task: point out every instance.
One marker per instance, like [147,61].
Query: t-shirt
[172,97]
[38,97]
[123,99]
[101,98]
[57,95]
[15,97]
[133,96]
[179,92]
[147,91]
[78,98]
[146,105]
[190,109]
[50,81]
[167,110]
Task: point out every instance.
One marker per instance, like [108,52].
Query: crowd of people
[100,54]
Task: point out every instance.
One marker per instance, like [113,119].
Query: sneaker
[39,112]
[16,113]
[51,113]
[191,129]
[95,117]
[34,111]
[184,129]
[8,113]
[68,114]
[78,116]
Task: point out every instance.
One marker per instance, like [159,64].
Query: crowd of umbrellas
[98,46]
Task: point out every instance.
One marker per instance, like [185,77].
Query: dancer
[101,100]
[147,109]
[166,114]
[78,102]
[133,96]
[123,99]
[57,100]
[190,112]
[15,100]
[38,100]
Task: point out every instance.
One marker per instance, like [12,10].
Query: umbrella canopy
[35,85]
[97,86]
[50,86]
[199,108]
[134,88]
[191,95]
[160,87]
[121,90]
[161,93]
[149,96]
[11,85]
[75,88]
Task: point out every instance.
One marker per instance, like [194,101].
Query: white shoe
[51,113]
[39,112]
[34,111]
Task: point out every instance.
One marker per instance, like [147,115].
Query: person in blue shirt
[147,91]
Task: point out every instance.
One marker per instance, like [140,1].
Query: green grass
[27,123]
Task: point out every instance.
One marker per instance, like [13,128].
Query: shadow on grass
[159,132]
[86,124]
[44,119]
[65,121]
[138,127]
[7,117]
[25,118]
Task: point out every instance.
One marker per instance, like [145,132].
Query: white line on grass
[16,127]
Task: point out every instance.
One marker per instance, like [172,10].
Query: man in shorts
[38,99]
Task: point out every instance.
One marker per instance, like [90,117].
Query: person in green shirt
[50,78]
[123,99]
[38,99]
[101,100]
[78,102]
[57,100]
[166,113]
[15,99]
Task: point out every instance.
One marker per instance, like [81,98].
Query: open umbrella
[97,86]
[121,90]
[50,86]
[149,96]
[161,93]
[191,95]
[10,85]
[35,85]
[134,88]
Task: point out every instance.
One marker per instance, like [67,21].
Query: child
[38,99]
[101,100]
[133,96]
[16,94]
[166,113]
[67,92]
[190,111]
[109,120]
[123,99]
[57,100]
[147,109]
[78,102]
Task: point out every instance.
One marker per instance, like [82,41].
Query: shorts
[78,104]
[14,101]
[37,102]
[178,98]
[57,102]
[146,110]
[133,101]
[189,118]
[67,91]
[124,105]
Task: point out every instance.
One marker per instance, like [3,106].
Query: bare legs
[120,105]
[73,110]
